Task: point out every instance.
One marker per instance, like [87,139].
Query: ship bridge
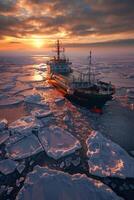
[58,64]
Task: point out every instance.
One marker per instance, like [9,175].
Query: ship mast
[90,58]
[93,70]
[90,63]
[58,49]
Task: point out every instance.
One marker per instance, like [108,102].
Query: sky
[36,24]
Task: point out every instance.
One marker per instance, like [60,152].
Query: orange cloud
[75,21]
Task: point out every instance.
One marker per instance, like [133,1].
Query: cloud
[14,42]
[76,18]
[7,5]
[126,42]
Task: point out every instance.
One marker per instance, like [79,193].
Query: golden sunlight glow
[38,42]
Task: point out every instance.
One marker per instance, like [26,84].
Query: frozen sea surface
[33,108]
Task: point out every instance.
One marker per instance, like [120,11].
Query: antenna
[58,49]
[90,63]
[90,58]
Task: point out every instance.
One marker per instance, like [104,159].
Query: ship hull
[91,100]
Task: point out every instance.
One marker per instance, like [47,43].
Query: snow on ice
[107,158]
[57,185]
[57,142]
[7,166]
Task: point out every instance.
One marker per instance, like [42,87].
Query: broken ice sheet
[105,158]
[3,124]
[59,100]
[44,87]
[8,87]
[41,113]
[11,101]
[34,78]
[22,124]
[20,87]
[44,183]
[25,124]
[35,99]
[7,166]
[4,136]
[23,143]
[25,147]
[57,142]
[20,168]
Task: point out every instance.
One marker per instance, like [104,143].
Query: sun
[38,42]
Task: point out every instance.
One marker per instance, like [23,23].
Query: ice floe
[8,86]
[10,189]
[58,100]
[25,147]
[18,181]
[36,78]
[24,124]
[3,96]
[130,93]
[70,161]
[22,135]
[3,124]
[44,183]
[66,118]
[11,101]
[44,87]
[58,142]
[55,141]
[3,188]
[41,113]
[7,166]
[21,88]
[20,168]
[4,135]
[35,99]
[131,76]
[105,158]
